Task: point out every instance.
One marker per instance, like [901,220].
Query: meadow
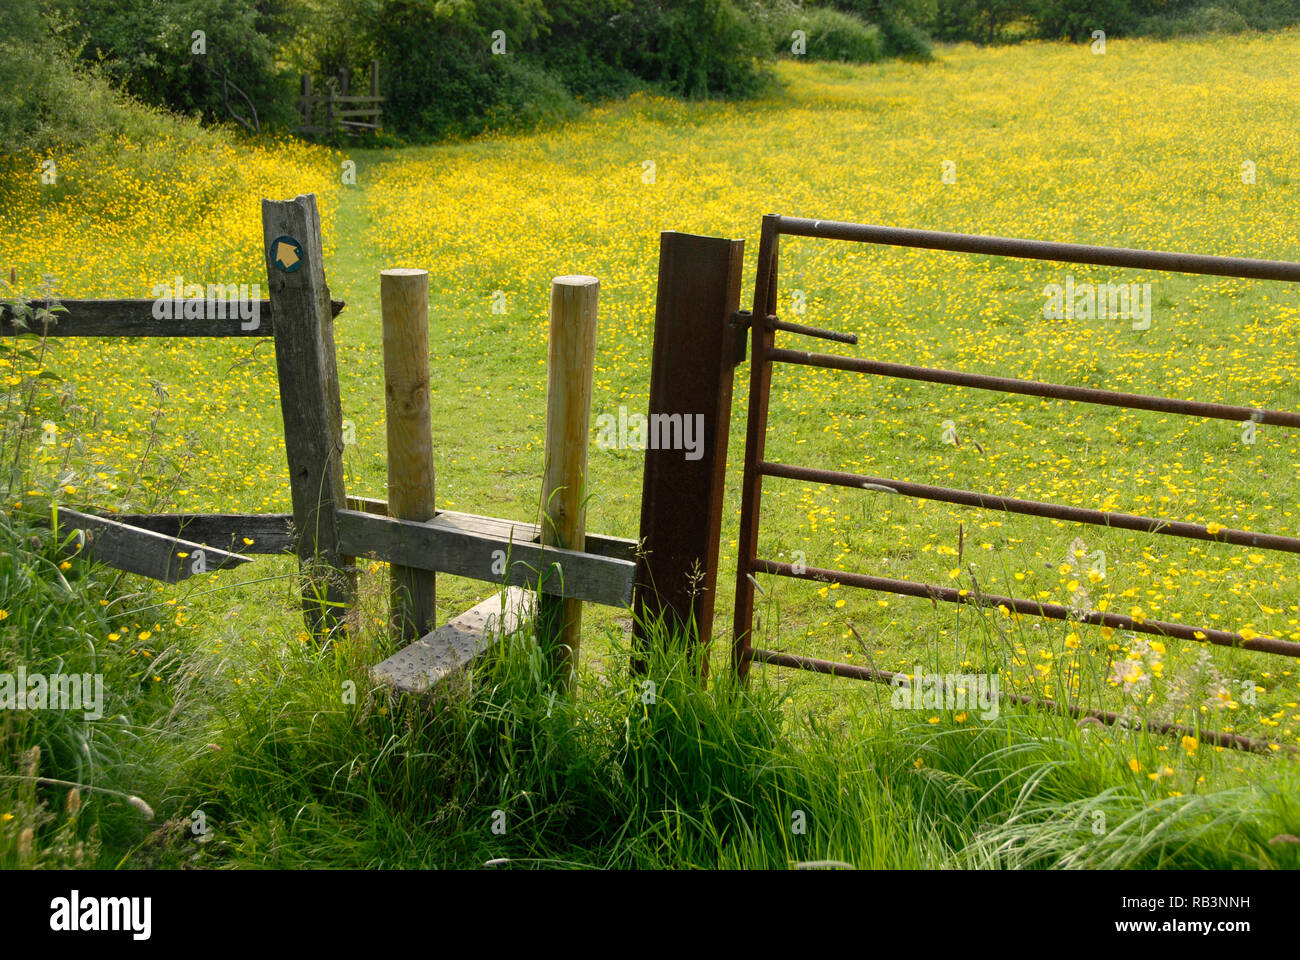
[1181,145]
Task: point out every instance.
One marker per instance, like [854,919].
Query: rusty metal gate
[764,324]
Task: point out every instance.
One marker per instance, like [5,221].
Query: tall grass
[61,616]
[264,749]
[656,770]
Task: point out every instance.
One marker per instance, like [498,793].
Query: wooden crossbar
[272,533]
[619,548]
[146,552]
[483,548]
[135,318]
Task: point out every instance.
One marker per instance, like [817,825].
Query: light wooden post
[570,361]
[404,296]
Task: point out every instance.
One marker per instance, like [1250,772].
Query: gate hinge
[739,330]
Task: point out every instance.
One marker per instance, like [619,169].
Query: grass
[297,777]
[250,726]
[277,752]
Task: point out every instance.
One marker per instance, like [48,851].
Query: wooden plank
[691,377]
[617,548]
[362,98]
[445,652]
[444,547]
[134,318]
[137,550]
[309,401]
[270,532]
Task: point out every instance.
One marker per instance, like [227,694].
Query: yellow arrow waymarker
[286,254]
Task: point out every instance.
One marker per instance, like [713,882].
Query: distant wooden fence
[339,109]
[694,355]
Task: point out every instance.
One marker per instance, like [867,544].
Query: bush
[1077,19]
[835,35]
[905,39]
[43,99]
[1217,20]
[150,50]
[988,21]
[591,48]
[984,21]
[441,77]
[898,22]
[528,96]
[700,48]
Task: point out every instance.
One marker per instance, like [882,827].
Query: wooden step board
[419,667]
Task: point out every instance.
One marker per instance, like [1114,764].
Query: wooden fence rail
[136,318]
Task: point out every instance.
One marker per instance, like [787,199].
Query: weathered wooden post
[695,353]
[309,400]
[571,358]
[404,296]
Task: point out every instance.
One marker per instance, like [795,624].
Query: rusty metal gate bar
[764,353]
